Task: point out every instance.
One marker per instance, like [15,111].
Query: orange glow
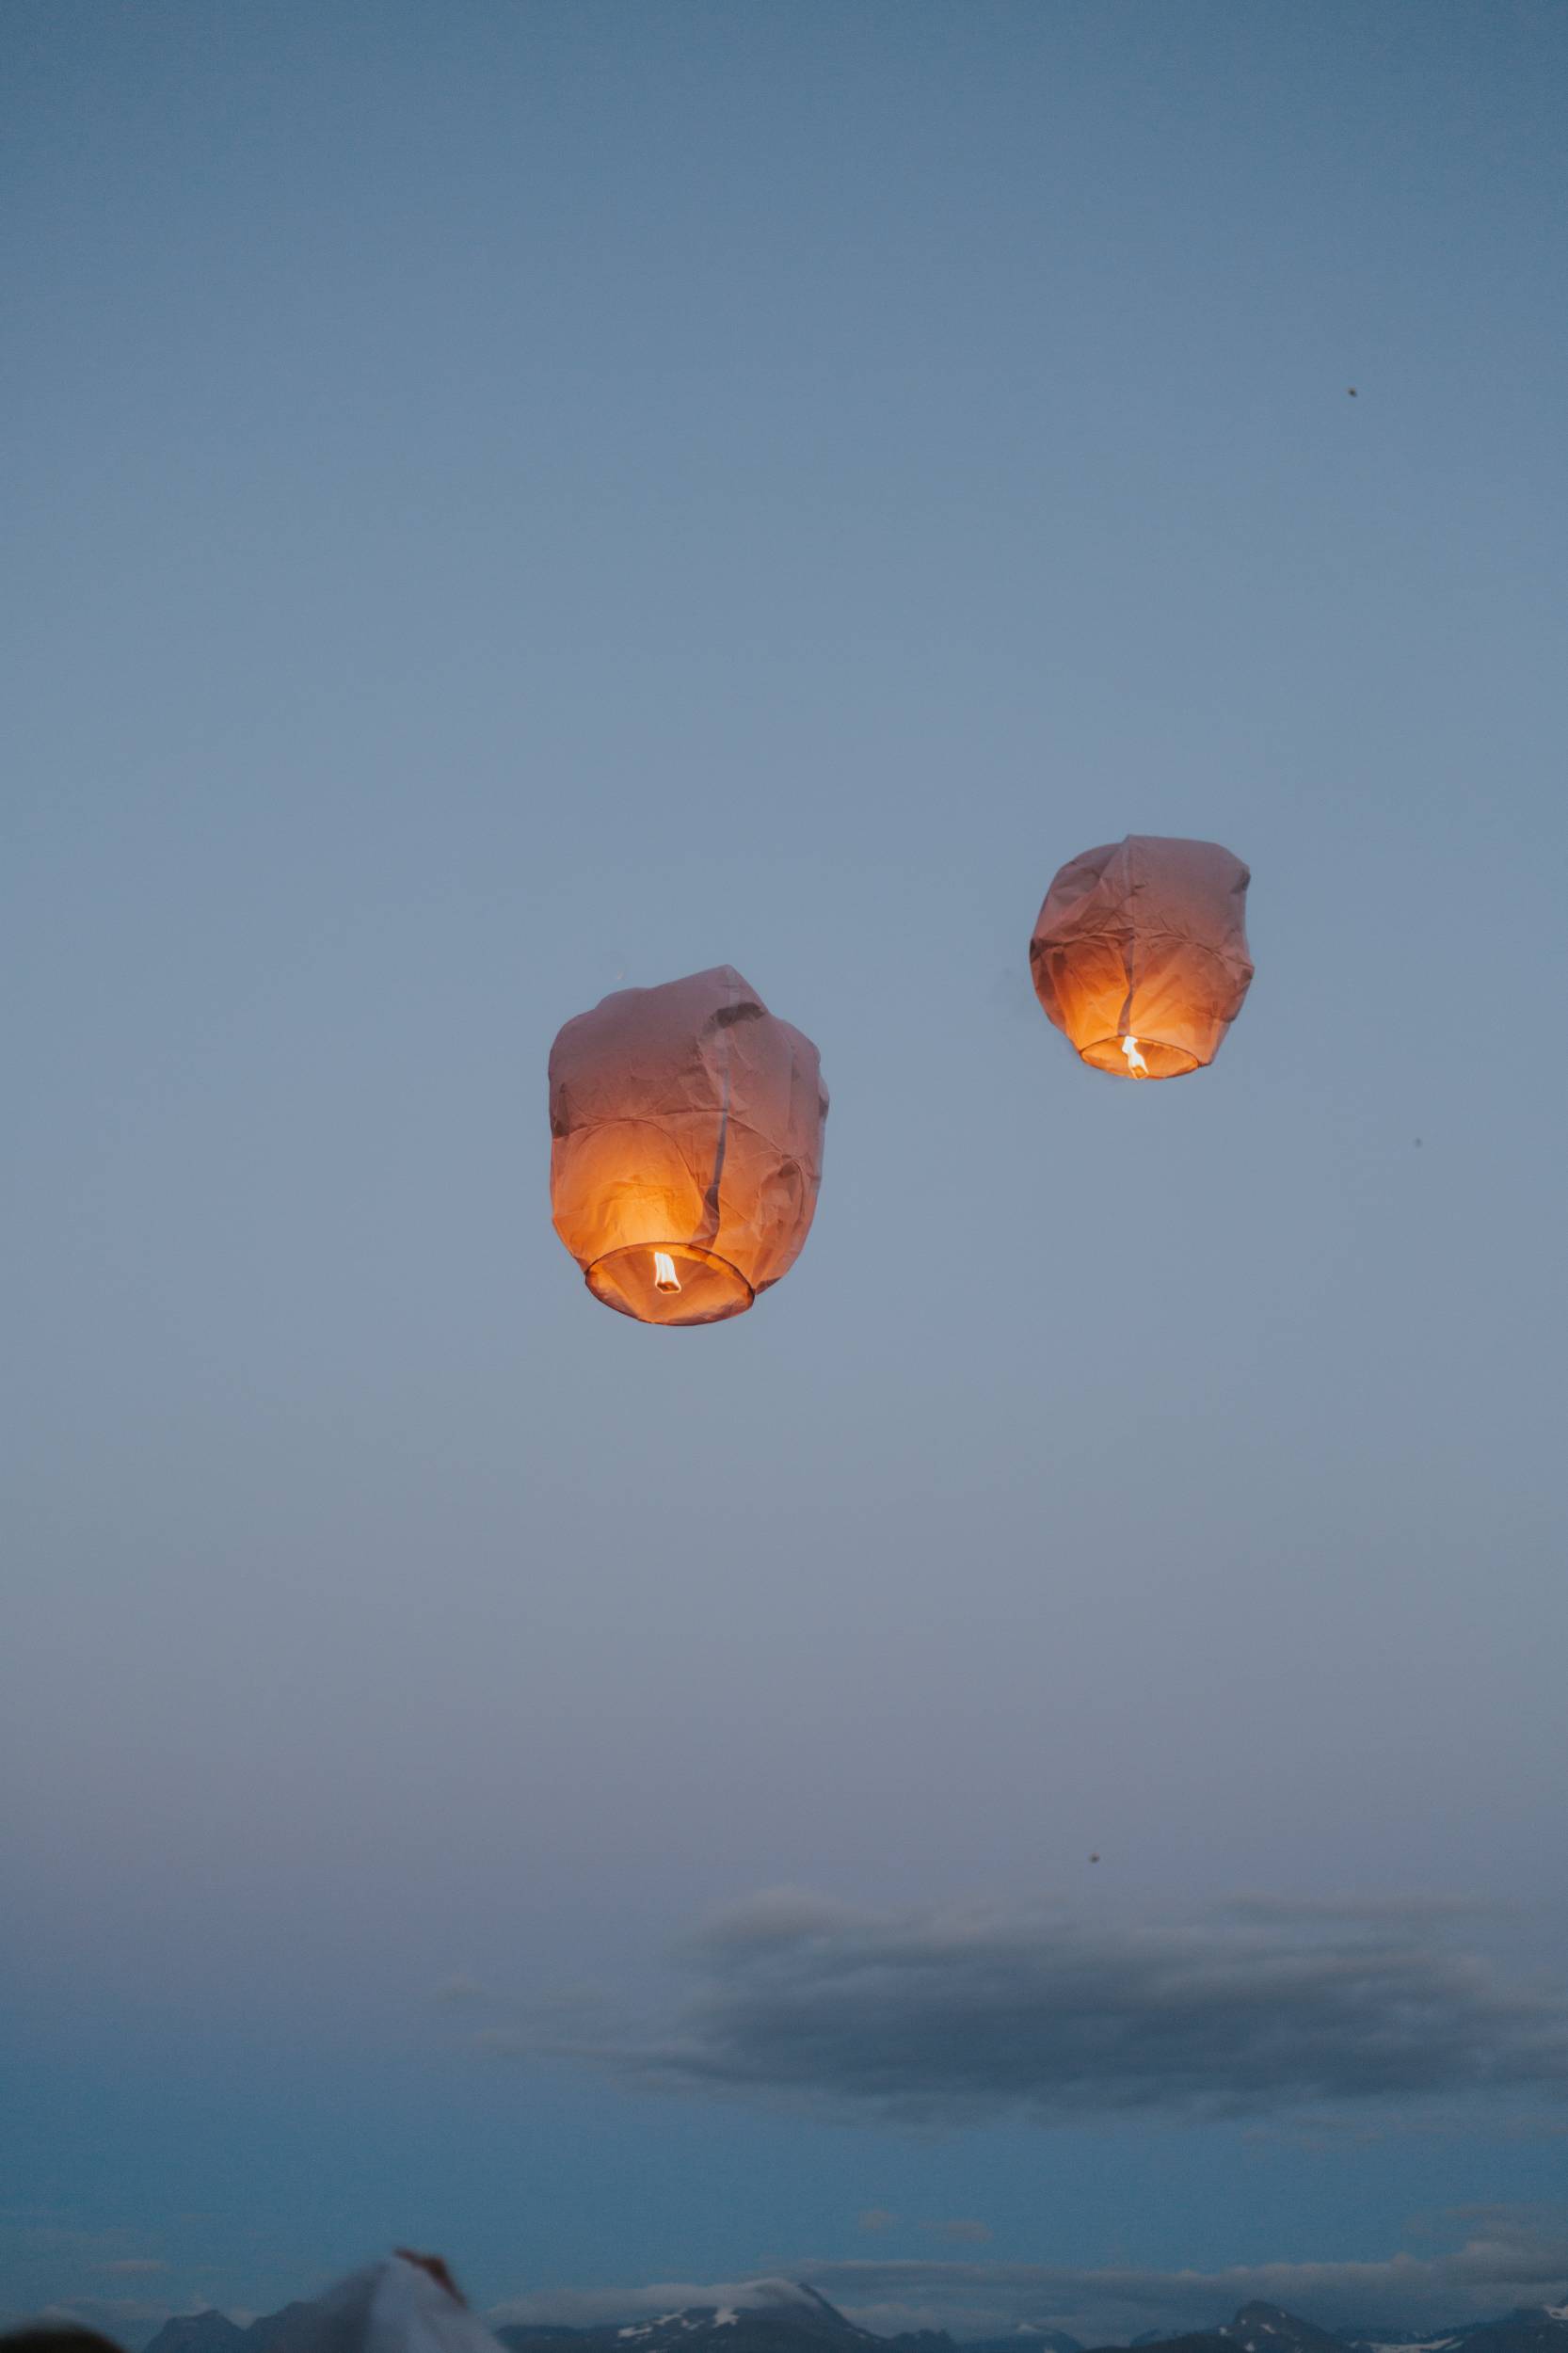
[1139,954]
[687,1127]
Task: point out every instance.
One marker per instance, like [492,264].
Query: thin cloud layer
[948,2016]
[595,2307]
[1507,2260]
[1505,2266]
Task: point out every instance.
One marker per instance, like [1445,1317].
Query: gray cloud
[1502,2267]
[954,2016]
[874,2219]
[461,1987]
[589,2307]
[1508,2259]
[1402,1909]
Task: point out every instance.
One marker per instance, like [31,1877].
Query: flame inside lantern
[1136,1067]
[664,1275]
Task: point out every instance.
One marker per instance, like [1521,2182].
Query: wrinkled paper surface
[390,2307]
[686,1114]
[1144,937]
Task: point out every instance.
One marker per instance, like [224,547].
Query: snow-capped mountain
[784,2316]
[766,2316]
[1528,2328]
[1027,2337]
[1269,2328]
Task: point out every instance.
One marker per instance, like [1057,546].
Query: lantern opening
[1150,1057]
[675,1283]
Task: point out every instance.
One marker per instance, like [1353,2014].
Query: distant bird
[1417,1143]
[1350,391]
[1094,1858]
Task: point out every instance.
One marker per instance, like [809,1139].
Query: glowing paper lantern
[1139,955]
[686,1153]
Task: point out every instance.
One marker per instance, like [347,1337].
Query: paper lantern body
[1139,955]
[686,1128]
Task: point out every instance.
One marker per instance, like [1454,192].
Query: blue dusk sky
[509,501]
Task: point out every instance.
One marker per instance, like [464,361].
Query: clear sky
[511,500]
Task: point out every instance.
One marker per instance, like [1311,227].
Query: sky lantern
[686,1126]
[1139,953]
